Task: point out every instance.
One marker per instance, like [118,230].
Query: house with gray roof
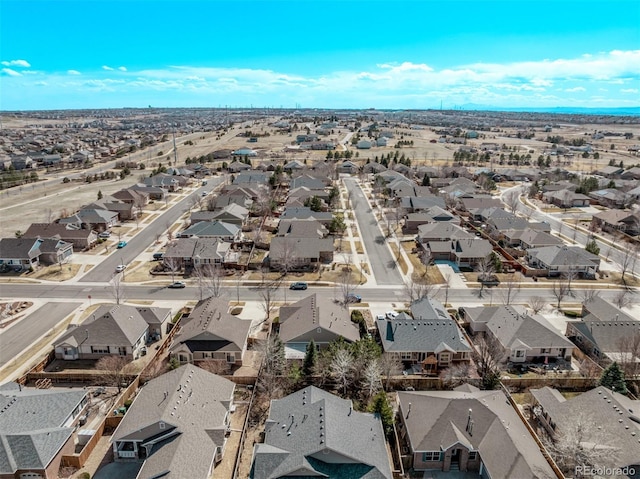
[112,330]
[444,231]
[313,182]
[470,431]
[80,238]
[300,253]
[30,252]
[94,219]
[562,259]
[427,340]
[321,320]
[617,220]
[232,213]
[210,333]
[251,178]
[609,197]
[602,331]
[523,337]
[177,425]
[530,238]
[192,252]
[237,166]
[37,428]
[566,198]
[313,433]
[213,229]
[616,416]
[416,204]
[303,213]
[435,214]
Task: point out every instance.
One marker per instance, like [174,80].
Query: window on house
[431,456]
[100,349]
[405,356]
[519,353]
[473,455]
[545,350]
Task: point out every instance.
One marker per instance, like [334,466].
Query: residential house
[251,178]
[124,210]
[54,251]
[373,167]
[434,214]
[631,174]
[37,428]
[177,425]
[168,183]
[530,238]
[238,197]
[348,167]
[426,342]
[610,171]
[609,197]
[617,220]
[307,319]
[615,415]
[233,214]
[416,204]
[295,253]
[566,198]
[293,165]
[562,259]
[468,430]
[524,338]
[153,192]
[93,219]
[465,252]
[27,253]
[441,232]
[364,145]
[308,228]
[112,330]
[309,181]
[237,166]
[188,253]
[303,213]
[80,238]
[602,330]
[211,334]
[213,229]
[132,196]
[244,152]
[313,433]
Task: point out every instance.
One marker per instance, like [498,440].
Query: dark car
[177,285]
[298,285]
[353,298]
[157,256]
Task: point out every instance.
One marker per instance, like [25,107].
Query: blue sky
[327,54]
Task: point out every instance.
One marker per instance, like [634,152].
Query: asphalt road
[105,270]
[383,265]
[17,338]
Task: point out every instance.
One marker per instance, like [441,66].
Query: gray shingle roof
[562,255]
[31,426]
[192,402]
[438,419]
[211,229]
[113,325]
[311,426]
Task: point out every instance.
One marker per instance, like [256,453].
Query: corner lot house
[560,259]
[177,425]
[312,433]
[113,330]
[36,429]
[468,430]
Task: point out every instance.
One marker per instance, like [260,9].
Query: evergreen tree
[99,194]
[426,181]
[613,378]
[381,407]
[309,359]
[592,247]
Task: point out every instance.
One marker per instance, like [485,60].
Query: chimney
[408,411]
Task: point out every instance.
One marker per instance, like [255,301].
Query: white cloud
[10,72]
[16,63]
[629,90]
[575,89]
[122,69]
[106,67]
[73,72]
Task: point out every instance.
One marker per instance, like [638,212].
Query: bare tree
[209,280]
[215,366]
[589,294]
[273,365]
[347,283]
[537,303]
[398,212]
[117,288]
[390,365]
[172,264]
[570,276]
[267,291]
[629,350]
[489,357]
[627,261]
[623,299]
[446,287]
[342,367]
[559,290]
[510,288]
[194,201]
[583,443]
[455,375]
[288,254]
[415,291]
[371,383]
[139,203]
[512,200]
[168,226]
[486,269]
[425,259]
[113,370]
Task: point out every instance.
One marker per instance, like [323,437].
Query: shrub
[66,179]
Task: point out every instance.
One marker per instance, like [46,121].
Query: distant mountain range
[569,110]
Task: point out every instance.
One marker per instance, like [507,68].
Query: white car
[120,268]
[391,314]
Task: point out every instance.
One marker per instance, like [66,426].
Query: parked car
[104,234]
[391,314]
[353,298]
[298,285]
[157,256]
[120,268]
[122,244]
[177,285]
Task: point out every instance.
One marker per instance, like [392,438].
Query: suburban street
[383,265]
[104,271]
[17,338]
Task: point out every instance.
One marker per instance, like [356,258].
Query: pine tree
[613,378]
[99,194]
[592,247]
[309,359]
[426,181]
[381,407]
